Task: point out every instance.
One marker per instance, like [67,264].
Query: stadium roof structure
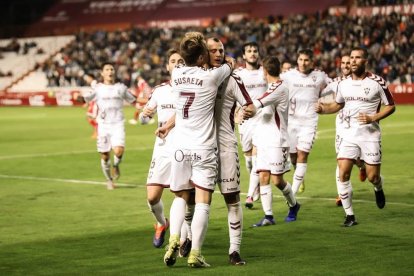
[69,15]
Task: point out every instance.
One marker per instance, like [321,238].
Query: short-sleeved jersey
[304,92]
[110,102]
[362,96]
[272,126]
[230,92]
[195,89]
[256,86]
[162,98]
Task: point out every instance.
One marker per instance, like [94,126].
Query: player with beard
[360,96]
[331,90]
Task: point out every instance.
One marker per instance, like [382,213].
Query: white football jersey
[256,86]
[331,89]
[230,92]
[109,99]
[272,126]
[362,96]
[195,89]
[304,92]
[162,98]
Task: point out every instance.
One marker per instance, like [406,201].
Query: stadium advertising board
[402,93]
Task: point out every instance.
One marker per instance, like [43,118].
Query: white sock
[199,225]
[298,176]
[345,193]
[177,212]
[254,178]
[378,186]
[106,169]
[158,211]
[189,213]
[289,196]
[249,164]
[117,160]
[267,199]
[235,221]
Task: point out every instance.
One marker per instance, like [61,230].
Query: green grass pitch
[57,218]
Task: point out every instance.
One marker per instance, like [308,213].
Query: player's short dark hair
[363,50]
[250,44]
[171,52]
[107,63]
[307,52]
[215,39]
[192,46]
[272,65]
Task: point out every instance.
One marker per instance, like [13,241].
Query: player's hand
[248,111]
[162,132]
[319,108]
[231,61]
[147,112]
[364,119]
[238,117]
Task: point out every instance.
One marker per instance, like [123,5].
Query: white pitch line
[76,181]
[17,156]
[88,182]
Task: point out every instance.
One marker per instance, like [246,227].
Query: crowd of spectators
[365,3]
[389,40]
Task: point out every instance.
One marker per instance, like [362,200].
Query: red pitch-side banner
[67,98]
[402,93]
[372,11]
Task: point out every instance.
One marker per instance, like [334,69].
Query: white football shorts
[193,168]
[228,178]
[110,136]
[301,137]
[273,159]
[159,173]
[368,151]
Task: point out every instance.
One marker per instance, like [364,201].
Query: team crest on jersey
[366,90]
[314,78]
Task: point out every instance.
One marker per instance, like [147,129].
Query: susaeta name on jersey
[187,80]
[180,156]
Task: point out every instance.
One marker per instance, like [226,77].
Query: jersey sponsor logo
[363,99]
[167,106]
[187,80]
[180,156]
[226,180]
[302,85]
[255,85]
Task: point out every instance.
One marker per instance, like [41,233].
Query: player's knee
[374,178]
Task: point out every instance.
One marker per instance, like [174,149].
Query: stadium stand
[134,35]
[23,55]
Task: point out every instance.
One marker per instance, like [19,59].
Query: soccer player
[109,97]
[360,96]
[286,66]
[273,148]
[252,76]
[194,162]
[231,92]
[142,92]
[305,85]
[162,102]
[331,90]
